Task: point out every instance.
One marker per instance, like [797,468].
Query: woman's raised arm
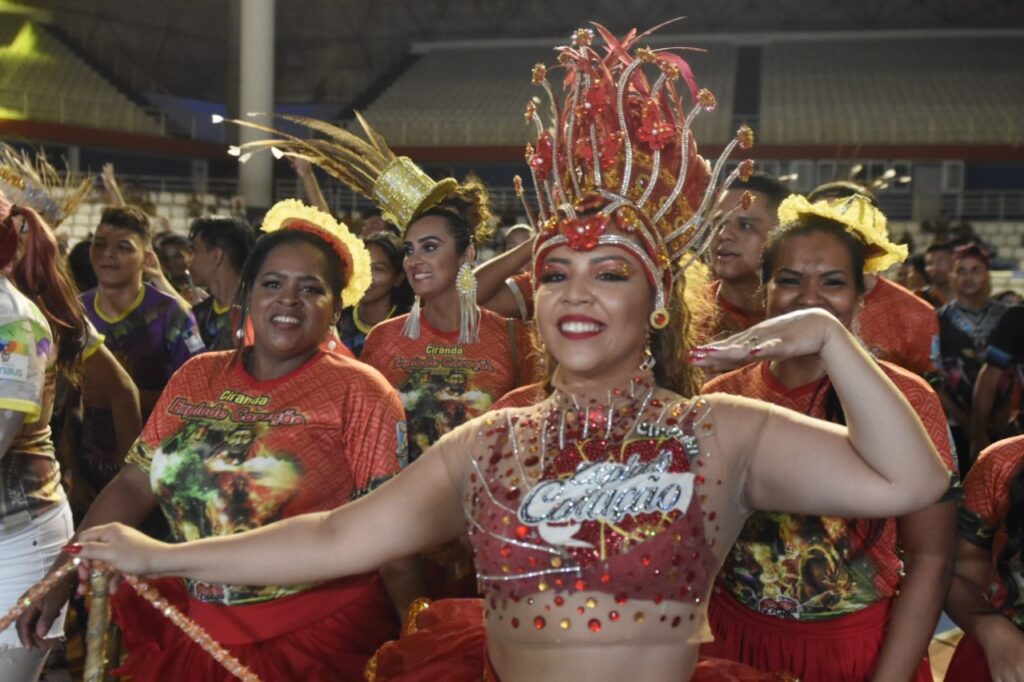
[882,463]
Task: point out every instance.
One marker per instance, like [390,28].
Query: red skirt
[448,641]
[843,649]
[968,663]
[324,634]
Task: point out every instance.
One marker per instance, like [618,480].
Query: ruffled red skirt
[448,641]
[324,634]
[843,649]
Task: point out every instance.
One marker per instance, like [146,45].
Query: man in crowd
[220,246]
[938,262]
[965,325]
[735,253]
[150,332]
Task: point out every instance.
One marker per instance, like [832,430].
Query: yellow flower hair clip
[859,217]
[292,214]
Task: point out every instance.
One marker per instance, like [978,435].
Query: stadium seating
[896,91]
[485,88]
[42,80]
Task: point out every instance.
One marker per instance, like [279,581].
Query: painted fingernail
[71,549]
[756,350]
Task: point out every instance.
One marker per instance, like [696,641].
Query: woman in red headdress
[599,515]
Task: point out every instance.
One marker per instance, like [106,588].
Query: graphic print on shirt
[222,473]
[440,392]
[816,566]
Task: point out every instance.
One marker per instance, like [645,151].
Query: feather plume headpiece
[30,180]
[395,183]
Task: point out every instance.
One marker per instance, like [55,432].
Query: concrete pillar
[256,94]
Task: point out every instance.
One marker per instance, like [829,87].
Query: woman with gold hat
[448,358]
[599,515]
[240,439]
[827,598]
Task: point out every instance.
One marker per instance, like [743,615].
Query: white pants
[26,554]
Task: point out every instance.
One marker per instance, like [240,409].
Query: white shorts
[26,554]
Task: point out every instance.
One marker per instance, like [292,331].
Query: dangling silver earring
[411,330]
[469,312]
[332,344]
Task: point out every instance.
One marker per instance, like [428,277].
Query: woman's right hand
[795,334]
[122,547]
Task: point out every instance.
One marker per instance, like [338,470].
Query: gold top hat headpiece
[618,153]
[31,181]
[395,183]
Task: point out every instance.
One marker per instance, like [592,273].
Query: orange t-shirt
[809,567]
[442,383]
[227,453]
[982,519]
[899,327]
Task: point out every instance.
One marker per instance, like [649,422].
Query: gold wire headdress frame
[619,153]
[32,181]
[395,183]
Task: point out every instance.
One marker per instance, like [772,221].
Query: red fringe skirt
[843,649]
[324,634]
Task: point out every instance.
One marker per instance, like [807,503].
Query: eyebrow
[791,271]
[274,273]
[423,239]
[598,259]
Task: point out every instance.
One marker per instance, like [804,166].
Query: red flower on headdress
[596,101]
[541,160]
[654,130]
[583,234]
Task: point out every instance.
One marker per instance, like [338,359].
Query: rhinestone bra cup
[574,496]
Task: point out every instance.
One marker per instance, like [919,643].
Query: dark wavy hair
[391,245]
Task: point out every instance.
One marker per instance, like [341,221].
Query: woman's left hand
[795,334]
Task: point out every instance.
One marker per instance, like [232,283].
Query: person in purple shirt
[150,332]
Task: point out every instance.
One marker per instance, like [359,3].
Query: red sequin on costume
[574,497]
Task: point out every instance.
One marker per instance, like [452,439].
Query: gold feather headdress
[395,183]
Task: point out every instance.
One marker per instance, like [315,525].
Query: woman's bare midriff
[594,636]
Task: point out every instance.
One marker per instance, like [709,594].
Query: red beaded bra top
[589,495]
